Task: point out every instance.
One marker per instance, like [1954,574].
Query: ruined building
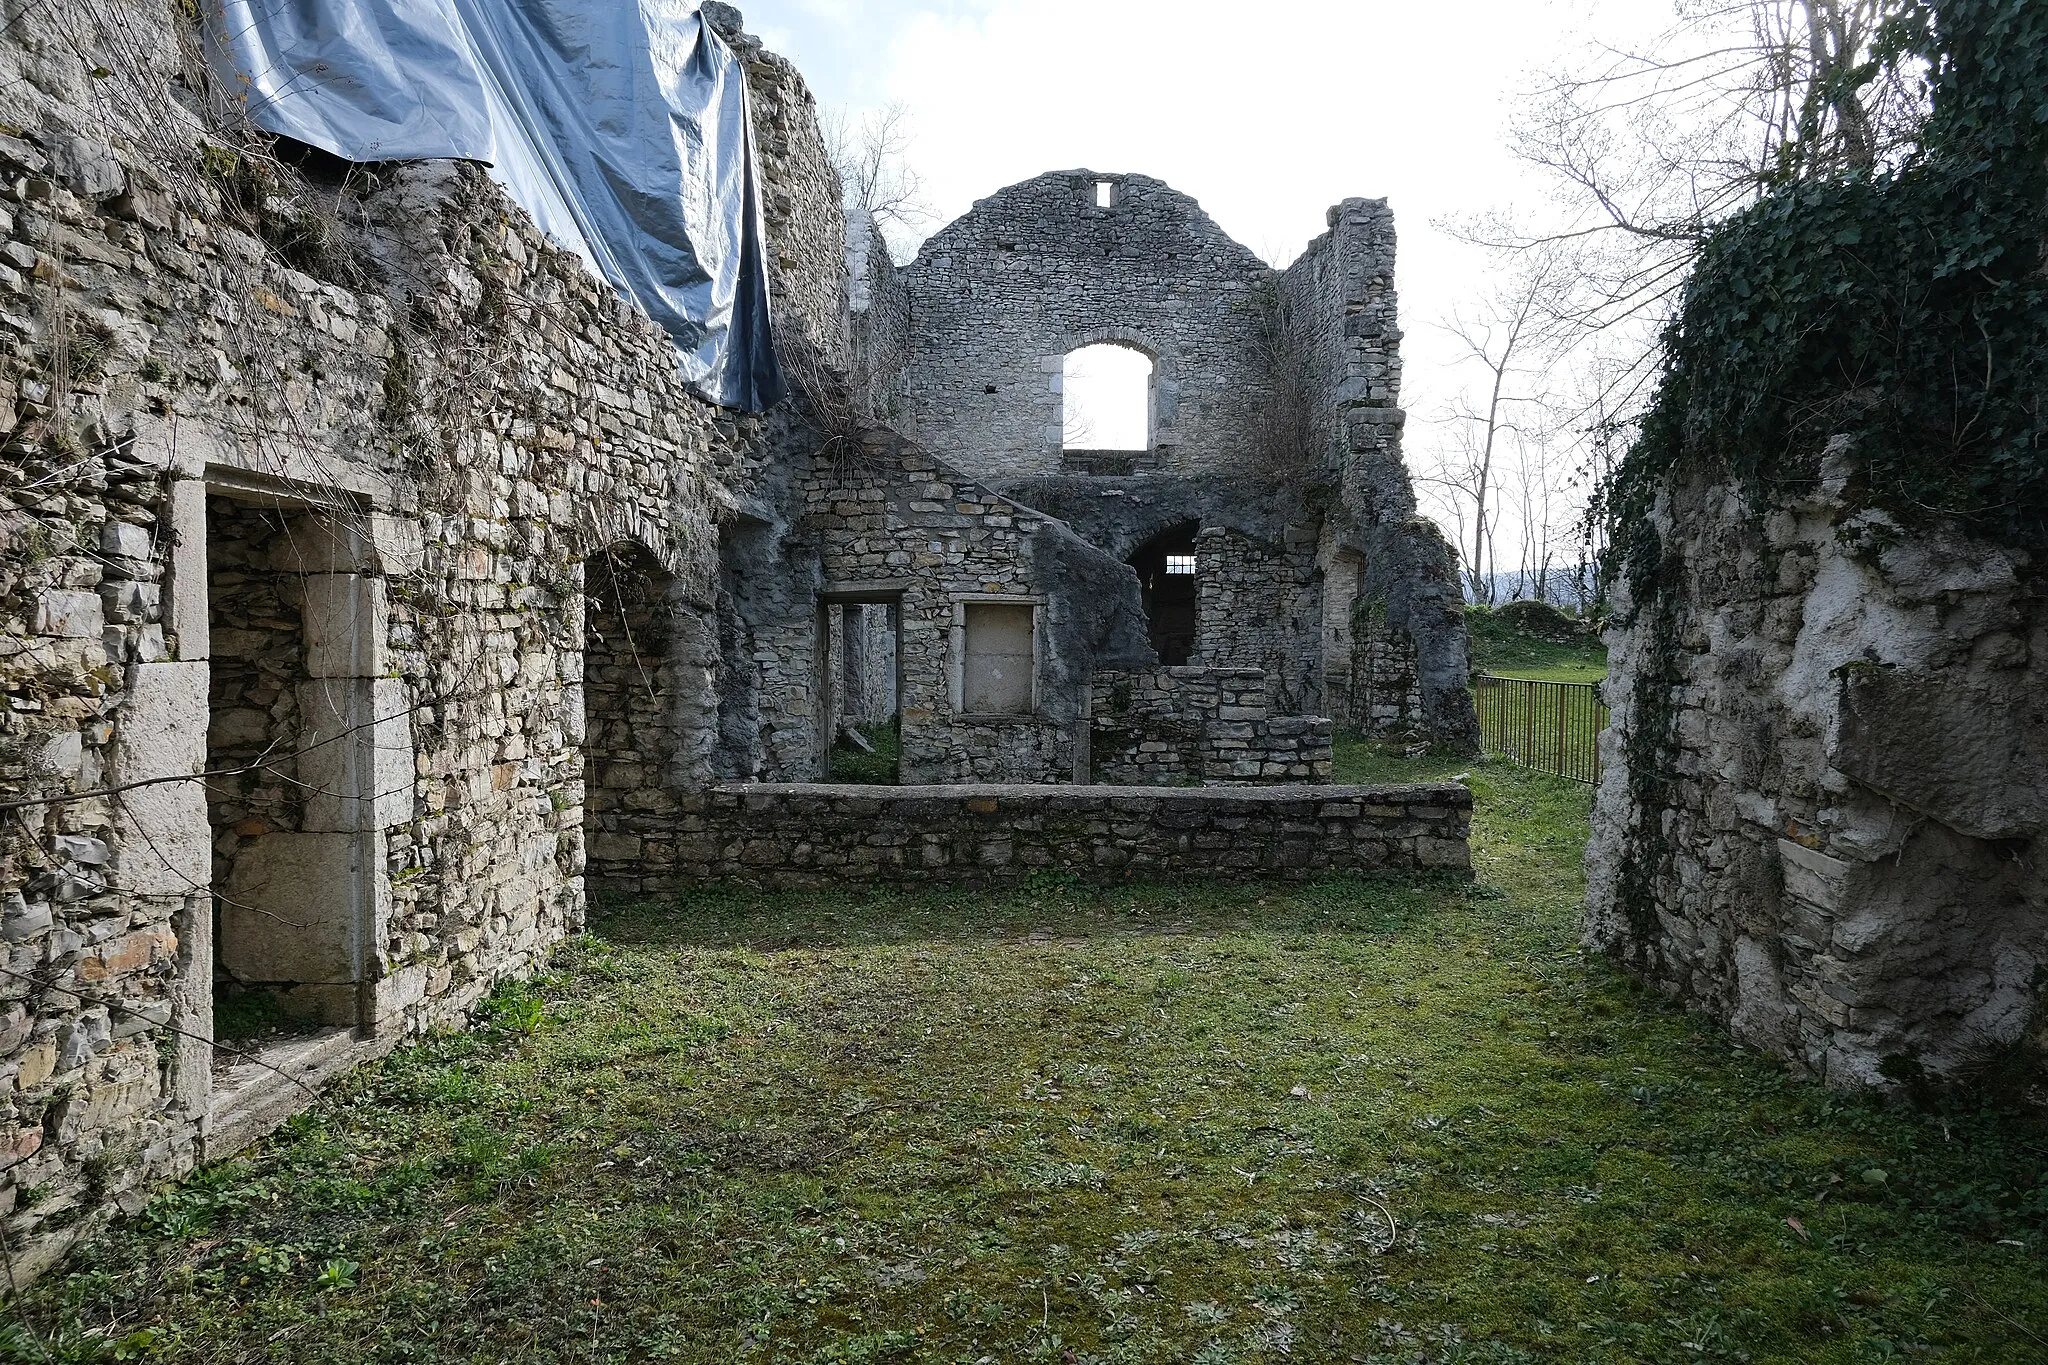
[345,488]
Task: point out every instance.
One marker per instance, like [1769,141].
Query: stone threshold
[251,1099]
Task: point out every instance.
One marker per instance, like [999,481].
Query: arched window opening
[1167,580]
[1106,402]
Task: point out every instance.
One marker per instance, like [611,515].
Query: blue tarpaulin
[619,125]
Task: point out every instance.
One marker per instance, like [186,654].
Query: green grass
[878,769]
[1384,1121]
[1500,649]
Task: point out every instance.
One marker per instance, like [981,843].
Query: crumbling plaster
[1845,746]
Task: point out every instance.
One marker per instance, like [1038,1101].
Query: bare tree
[872,155]
[1509,341]
[1650,150]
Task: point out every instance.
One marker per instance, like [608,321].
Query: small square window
[1105,194]
[1180,564]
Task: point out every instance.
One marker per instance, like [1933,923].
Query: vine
[1907,309]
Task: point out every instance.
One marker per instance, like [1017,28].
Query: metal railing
[1553,727]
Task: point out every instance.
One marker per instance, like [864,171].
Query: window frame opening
[996,657]
[1107,192]
[1100,409]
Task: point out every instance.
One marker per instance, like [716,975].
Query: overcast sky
[1267,114]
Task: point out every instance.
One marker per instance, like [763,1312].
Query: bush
[1539,621]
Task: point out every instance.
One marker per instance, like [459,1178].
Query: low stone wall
[1170,727]
[796,836]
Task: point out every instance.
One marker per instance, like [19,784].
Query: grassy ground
[877,769]
[1382,1122]
[1499,649]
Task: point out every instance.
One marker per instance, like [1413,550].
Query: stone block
[320,543]
[70,614]
[126,540]
[293,907]
[356,757]
[186,601]
[345,626]
[166,845]
[1812,876]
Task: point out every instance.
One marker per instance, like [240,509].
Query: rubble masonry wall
[466,412]
[1826,790]
[820,836]
[1037,270]
[1173,727]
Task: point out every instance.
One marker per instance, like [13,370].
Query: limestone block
[70,614]
[1974,756]
[166,844]
[345,625]
[1813,877]
[322,543]
[63,755]
[186,606]
[292,909]
[356,755]
[400,991]
[125,540]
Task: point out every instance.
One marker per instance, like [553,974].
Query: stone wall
[1172,727]
[890,523]
[879,301]
[1037,270]
[823,836]
[1271,389]
[452,416]
[1383,698]
[1340,315]
[1259,605]
[1824,807]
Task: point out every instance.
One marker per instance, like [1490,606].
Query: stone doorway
[296,703]
[1165,566]
[861,716]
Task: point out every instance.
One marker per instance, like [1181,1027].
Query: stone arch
[610,529]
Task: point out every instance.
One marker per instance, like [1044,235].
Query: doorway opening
[1168,582]
[863,715]
[628,722]
[292,629]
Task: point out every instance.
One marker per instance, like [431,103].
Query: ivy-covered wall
[1823,813]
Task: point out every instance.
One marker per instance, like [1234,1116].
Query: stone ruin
[1825,800]
[373,590]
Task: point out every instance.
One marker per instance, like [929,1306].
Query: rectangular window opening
[996,679]
[1180,564]
[1105,194]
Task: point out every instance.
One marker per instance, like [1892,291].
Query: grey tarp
[619,125]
